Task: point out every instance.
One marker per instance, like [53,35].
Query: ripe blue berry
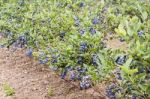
[140,33]
[118,76]
[54,59]
[54,68]
[44,61]
[83,47]
[85,83]
[111,91]
[69,68]
[62,35]
[95,21]
[92,31]
[2,46]
[122,40]
[133,97]
[21,41]
[77,21]
[81,69]
[94,59]
[72,75]
[81,4]
[29,52]
[82,32]
[121,60]
[63,74]
[80,60]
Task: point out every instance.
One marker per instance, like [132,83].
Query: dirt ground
[30,80]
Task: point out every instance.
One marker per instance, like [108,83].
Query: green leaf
[128,62]
[120,30]
[128,71]
[144,15]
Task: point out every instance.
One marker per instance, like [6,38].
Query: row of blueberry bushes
[68,36]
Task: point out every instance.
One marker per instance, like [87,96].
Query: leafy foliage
[68,36]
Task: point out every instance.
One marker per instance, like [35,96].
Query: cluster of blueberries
[83,47]
[121,60]
[85,82]
[78,74]
[82,31]
[19,43]
[111,92]
[95,21]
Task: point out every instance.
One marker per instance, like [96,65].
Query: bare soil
[31,80]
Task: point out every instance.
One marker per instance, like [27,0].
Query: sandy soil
[32,81]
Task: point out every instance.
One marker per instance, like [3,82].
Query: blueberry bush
[68,36]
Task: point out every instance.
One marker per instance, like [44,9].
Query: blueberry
[69,68]
[54,68]
[81,70]
[77,21]
[54,59]
[63,74]
[112,97]
[82,32]
[83,47]
[81,4]
[129,87]
[62,35]
[72,75]
[85,83]
[76,18]
[118,76]
[110,90]
[140,33]
[70,6]
[95,21]
[79,77]
[133,97]
[121,60]
[22,41]
[43,59]
[122,40]
[80,60]
[92,31]
[2,46]
[82,85]
[87,77]
[94,59]
[29,52]
[22,38]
